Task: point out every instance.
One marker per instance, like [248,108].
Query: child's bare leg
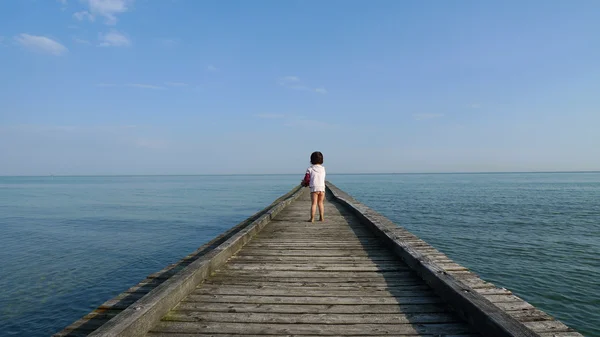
[313,206]
[320,200]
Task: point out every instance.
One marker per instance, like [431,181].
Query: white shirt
[317,178]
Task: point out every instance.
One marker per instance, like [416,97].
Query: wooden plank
[397,309]
[319,274]
[416,284]
[311,252]
[330,300]
[355,279]
[315,259]
[318,246]
[547,326]
[171,334]
[355,268]
[294,282]
[320,318]
[412,291]
[530,315]
[309,329]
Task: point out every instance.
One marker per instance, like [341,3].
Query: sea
[68,244]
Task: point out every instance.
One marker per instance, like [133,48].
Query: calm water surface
[67,244]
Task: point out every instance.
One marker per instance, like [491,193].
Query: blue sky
[204,87]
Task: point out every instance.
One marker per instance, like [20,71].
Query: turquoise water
[67,244]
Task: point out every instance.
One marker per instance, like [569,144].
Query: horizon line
[285,174]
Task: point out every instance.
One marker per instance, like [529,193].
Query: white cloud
[81,41]
[425,116]
[83,15]
[168,42]
[212,68]
[309,124]
[109,9]
[145,86]
[270,116]
[41,44]
[286,80]
[293,82]
[296,121]
[114,39]
[64,2]
[176,84]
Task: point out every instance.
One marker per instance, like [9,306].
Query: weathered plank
[292,309]
[320,274]
[355,279]
[309,329]
[424,298]
[355,268]
[409,291]
[320,318]
[298,282]
[315,259]
[172,334]
[300,287]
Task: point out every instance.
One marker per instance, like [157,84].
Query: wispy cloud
[293,82]
[297,121]
[176,84]
[270,116]
[84,15]
[69,128]
[309,124]
[114,39]
[168,42]
[41,44]
[145,86]
[81,41]
[108,9]
[212,68]
[132,85]
[288,80]
[64,2]
[426,116]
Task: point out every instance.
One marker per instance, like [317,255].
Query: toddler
[315,179]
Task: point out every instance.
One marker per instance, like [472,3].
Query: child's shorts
[317,189]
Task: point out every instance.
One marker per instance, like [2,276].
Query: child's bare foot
[311,220]
[321,219]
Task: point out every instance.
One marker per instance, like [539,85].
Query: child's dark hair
[316,158]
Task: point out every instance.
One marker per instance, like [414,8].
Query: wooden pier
[356,274]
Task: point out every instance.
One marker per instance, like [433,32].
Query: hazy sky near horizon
[203,87]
